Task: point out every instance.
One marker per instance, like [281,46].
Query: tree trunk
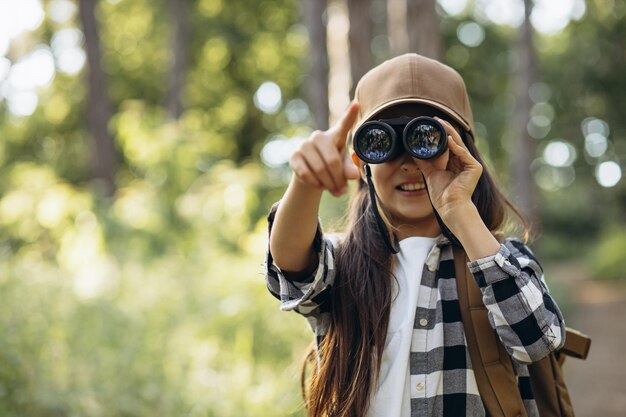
[360,38]
[103,159]
[179,41]
[523,150]
[396,26]
[316,87]
[423,28]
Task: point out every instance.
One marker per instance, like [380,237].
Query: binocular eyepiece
[379,141]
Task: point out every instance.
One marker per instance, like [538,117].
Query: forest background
[143,142]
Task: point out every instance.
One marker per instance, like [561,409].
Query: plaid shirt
[520,308]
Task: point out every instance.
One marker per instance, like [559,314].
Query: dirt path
[597,385]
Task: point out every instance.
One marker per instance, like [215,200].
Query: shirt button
[419,386]
[423,322]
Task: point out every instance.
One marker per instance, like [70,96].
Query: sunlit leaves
[151,302]
[266,53]
[137,206]
[231,111]
[135,45]
[132,330]
[222,199]
[215,55]
[56,109]
[210,8]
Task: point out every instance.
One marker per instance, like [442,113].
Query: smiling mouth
[412,187]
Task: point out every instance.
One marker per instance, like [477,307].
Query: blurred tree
[423,28]
[397,29]
[316,88]
[413,25]
[103,157]
[179,24]
[523,149]
[360,39]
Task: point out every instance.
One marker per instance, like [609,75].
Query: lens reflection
[424,140]
[375,144]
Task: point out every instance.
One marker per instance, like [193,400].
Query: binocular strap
[382,228]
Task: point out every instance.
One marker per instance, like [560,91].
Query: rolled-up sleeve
[309,294]
[521,309]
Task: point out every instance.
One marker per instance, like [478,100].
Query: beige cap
[412,78]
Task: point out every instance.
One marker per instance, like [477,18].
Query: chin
[418,214]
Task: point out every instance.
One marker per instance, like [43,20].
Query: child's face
[400,185]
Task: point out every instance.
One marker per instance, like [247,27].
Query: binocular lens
[374,144]
[424,140]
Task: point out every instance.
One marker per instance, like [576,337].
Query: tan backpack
[492,365]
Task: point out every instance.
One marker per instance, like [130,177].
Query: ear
[359,164]
[356,160]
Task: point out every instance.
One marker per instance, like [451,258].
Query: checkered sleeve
[520,307]
[309,294]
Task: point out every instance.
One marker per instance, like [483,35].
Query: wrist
[460,216]
[467,225]
[303,194]
[302,187]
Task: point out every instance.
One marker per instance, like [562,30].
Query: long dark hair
[349,356]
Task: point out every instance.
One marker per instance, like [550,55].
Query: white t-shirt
[392,396]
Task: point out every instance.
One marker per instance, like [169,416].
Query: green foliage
[582,66]
[607,259]
[185,333]
[140,307]
[151,302]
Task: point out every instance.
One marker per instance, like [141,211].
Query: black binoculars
[378,141]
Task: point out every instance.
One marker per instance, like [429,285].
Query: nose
[408,163]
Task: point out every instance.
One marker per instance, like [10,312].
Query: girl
[381,298]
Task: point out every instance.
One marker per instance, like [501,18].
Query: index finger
[343,126]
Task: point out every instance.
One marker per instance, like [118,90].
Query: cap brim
[431,103]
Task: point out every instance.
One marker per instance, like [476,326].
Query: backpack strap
[495,377]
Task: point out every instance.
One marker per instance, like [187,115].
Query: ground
[597,385]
